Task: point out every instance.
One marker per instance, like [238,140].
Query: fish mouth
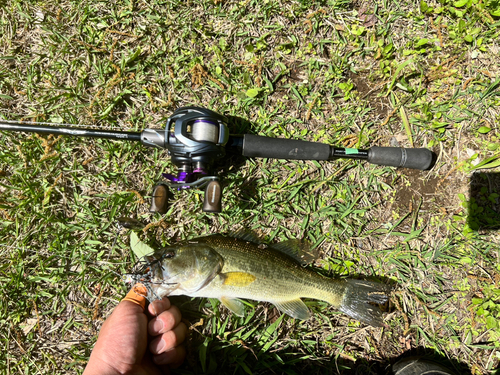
[149,272]
[157,279]
[154,271]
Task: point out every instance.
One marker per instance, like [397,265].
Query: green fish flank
[230,268]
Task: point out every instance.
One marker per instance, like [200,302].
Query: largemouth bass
[230,268]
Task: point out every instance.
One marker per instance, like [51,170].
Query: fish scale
[278,276]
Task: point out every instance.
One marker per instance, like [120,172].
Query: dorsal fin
[246,235]
[300,250]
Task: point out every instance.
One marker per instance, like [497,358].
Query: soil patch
[368,91]
[414,188]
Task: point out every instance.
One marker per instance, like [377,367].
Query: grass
[346,73]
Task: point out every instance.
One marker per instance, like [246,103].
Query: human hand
[123,346]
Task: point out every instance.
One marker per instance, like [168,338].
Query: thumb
[122,340]
[128,318]
[137,295]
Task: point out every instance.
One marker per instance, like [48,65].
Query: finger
[155,308]
[164,322]
[173,357]
[169,339]
[137,295]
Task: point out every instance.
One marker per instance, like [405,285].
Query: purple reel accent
[184,177]
[181,178]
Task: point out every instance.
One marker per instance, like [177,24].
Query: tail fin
[360,300]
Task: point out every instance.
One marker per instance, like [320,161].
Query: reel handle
[211,203]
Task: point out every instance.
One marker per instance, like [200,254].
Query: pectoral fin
[237,278]
[295,308]
[234,305]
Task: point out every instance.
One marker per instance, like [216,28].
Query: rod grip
[280,148]
[414,158]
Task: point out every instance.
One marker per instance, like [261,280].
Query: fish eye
[169,254]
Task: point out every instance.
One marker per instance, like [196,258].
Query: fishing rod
[196,138]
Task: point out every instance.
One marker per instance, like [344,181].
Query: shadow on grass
[484,202]
[386,365]
[237,357]
[233,351]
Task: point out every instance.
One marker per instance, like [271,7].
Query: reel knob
[159,201]
[213,197]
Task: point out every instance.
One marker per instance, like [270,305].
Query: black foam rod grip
[414,158]
[280,148]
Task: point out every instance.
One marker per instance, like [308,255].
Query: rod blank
[78,132]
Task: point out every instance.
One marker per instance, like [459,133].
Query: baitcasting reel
[196,138]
